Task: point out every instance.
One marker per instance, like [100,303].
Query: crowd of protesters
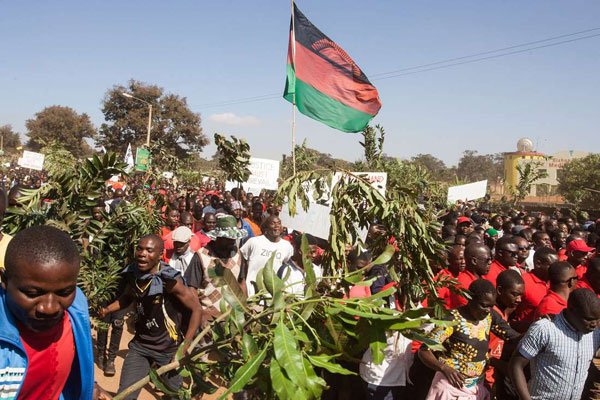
[521,323]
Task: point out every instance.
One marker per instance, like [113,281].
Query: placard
[470,191]
[32,160]
[264,174]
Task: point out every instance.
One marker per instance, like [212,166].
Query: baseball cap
[182,234]
[462,220]
[579,245]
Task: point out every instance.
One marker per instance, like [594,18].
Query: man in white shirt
[182,254]
[257,250]
[293,272]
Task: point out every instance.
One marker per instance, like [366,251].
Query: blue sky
[71,52]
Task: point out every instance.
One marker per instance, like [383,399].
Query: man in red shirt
[171,222]
[456,265]
[45,340]
[563,280]
[464,226]
[536,287]
[577,254]
[591,279]
[477,264]
[510,288]
[506,256]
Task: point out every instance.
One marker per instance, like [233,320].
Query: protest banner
[470,191]
[264,174]
[31,160]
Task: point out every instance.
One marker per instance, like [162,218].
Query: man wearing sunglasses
[563,280]
[505,257]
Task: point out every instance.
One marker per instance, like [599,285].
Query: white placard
[167,174]
[314,221]
[264,174]
[32,160]
[470,191]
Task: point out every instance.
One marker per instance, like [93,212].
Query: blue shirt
[560,357]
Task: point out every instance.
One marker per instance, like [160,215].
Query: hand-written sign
[31,160]
[264,174]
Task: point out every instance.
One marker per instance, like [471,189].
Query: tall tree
[173,123]
[308,159]
[579,181]
[436,167]
[474,167]
[61,124]
[10,139]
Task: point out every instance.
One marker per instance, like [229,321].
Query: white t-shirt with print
[258,250]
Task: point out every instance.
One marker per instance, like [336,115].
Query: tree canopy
[474,167]
[11,139]
[579,181]
[173,123]
[61,124]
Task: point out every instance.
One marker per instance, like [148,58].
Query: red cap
[579,245]
[462,220]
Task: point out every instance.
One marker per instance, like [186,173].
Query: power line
[447,63]
[486,52]
[488,57]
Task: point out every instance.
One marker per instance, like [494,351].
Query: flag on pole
[324,82]
[129,158]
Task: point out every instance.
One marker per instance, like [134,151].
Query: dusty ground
[112,384]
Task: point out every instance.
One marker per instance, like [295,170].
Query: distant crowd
[521,291]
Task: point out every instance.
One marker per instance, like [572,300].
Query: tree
[233,157]
[579,182]
[436,167]
[173,123]
[474,167]
[308,159]
[373,145]
[10,139]
[529,173]
[61,124]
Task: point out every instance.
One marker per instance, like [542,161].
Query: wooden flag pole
[293,46]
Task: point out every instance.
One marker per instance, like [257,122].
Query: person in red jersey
[510,288]
[477,265]
[506,256]
[536,287]
[563,280]
[578,253]
[591,279]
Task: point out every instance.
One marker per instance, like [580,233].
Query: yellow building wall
[511,161]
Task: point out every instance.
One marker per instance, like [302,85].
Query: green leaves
[234,157]
[245,373]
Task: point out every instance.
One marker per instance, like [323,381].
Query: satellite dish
[525,145]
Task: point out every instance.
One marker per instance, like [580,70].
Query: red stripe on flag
[329,80]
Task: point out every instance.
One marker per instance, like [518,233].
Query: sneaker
[109,368]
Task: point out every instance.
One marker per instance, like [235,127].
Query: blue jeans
[137,365]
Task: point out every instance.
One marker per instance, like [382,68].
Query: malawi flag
[324,82]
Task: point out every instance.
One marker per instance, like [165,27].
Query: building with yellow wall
[551,164]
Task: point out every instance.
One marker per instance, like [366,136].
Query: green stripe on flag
[323,108]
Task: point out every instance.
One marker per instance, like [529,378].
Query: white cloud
[236,120]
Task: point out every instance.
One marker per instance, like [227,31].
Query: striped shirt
[560,357]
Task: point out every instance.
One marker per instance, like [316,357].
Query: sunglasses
[571,280]
[523,248]
[512,253]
